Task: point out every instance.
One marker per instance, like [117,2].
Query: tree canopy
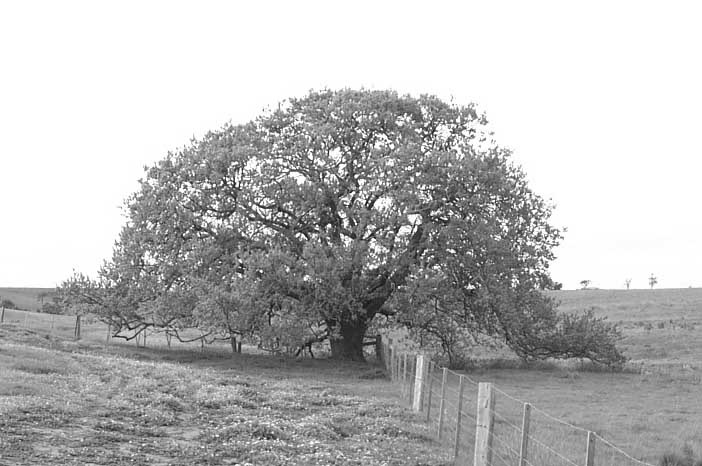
[308,222]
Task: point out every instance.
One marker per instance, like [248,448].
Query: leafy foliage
[304,225]
[7,304]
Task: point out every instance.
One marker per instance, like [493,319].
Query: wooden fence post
[143,339]
[459,410]
[524,445]
[387,359]
[76,330]
[404,372]
[484,425]
[411,375]
[109,332]
[51,332]
[590,455]
[430,384]
[398,367]
[26,316]
[379,348]
[419,379]
[238,347]
[388,356]
[442,403]
[392,363]
[2,315]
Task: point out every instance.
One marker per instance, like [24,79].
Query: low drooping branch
[311,341]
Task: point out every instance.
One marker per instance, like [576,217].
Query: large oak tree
[333,209]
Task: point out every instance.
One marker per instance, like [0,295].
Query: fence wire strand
[450,416]
[504,443]
[505,421]
[495,454]
[552,451]
[620,451]
[555,419]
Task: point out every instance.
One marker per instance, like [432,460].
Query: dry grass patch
[74,405]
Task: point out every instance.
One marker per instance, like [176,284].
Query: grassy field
[95,332]
[632,306]
[655,410]
[68,403]
[662,328]
[26,298]
[63,402]
[651,410]
[646,415]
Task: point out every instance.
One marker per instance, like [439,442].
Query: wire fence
[503,430]
[91,330]
[511,432]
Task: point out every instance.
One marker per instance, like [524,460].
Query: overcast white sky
[600,101]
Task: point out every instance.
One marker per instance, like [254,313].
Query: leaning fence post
[523,446]
[442,403]
[484,425]
[2,315]
[590,455]
[459,410]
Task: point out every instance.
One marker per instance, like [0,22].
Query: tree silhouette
[652,281]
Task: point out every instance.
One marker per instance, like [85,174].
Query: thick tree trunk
[347,342]
[346,334]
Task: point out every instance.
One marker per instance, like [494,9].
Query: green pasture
[86,402]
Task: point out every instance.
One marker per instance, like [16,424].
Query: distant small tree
[585,284]
[6,303]
[53,306]
[627,282]
[652,281]
[44,298]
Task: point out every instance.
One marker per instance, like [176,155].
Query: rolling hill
[26,298]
